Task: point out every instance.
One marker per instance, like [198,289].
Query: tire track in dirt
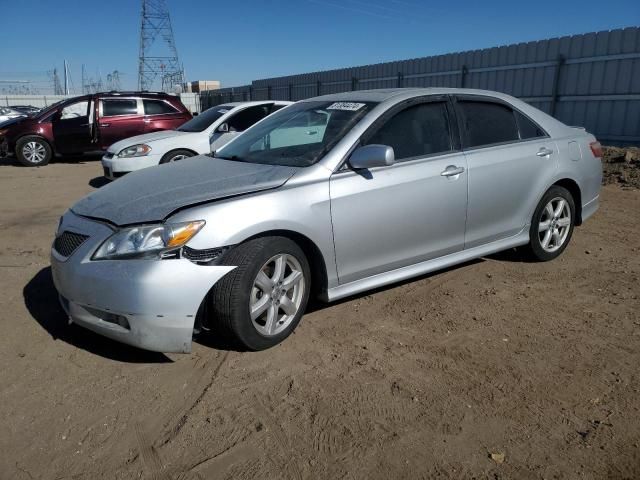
[149,455]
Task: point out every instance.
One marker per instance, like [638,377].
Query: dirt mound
[621,166]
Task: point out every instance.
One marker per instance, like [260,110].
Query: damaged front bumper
[151,304]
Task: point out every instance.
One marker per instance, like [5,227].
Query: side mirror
[371,156]
[224,128]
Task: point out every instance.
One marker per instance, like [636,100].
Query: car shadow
[318,305]
[41,299]
[67,159]
[98,182]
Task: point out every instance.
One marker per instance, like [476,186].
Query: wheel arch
[319,276]
[574,189]
[181,148]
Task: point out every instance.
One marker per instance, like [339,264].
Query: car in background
[330,197]
[9,113]
[26,109]
[205,133]
[89,123]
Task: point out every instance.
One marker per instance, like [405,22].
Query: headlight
[134,151]
[147,240]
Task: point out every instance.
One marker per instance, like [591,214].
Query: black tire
[535,249]
[230,297]
[170,156]
[31,142]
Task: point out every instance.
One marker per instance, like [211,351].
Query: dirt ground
[536,364]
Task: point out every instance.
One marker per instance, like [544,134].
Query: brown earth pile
[621,166]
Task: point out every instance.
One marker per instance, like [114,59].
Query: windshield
[297,136]
[205,119]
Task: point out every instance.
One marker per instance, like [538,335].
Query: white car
[203,134]
[7,113]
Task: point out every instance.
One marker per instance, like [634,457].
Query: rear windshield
[205,119]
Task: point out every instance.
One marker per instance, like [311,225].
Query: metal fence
[590,80]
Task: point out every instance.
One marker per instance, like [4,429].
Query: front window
[75,110]
[205,119]
[297,136]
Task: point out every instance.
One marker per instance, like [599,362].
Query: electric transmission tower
[158,54]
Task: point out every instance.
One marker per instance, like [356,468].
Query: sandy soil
[536,364]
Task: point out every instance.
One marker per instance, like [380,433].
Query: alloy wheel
[34,152]
[277,294]
[554,225]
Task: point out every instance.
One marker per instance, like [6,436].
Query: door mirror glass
[371,156]
[224,128]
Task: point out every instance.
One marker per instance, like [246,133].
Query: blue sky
[242,40]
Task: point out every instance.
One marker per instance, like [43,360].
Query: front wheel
[33,151]
[552,224]
[175,156]
[262,300]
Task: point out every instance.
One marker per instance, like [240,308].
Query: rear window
[487,123]
[119,106]
[157,107]
[527,128]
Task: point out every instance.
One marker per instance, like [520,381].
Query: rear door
[119,118]
[73,127]
[161,115]
[238,122]
[391,217]
[510,159]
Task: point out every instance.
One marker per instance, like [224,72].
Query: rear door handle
[147,120]
[104,125]
[544,152]
[451,171]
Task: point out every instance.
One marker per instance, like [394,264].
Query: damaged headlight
[147,240]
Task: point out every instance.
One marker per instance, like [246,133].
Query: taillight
[596,149]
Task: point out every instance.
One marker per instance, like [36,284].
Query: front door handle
[544,152]
[451,171]
[105,125]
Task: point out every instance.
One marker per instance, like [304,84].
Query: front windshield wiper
[234,158]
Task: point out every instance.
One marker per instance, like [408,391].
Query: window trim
[175,110]
[488,99]
[139,107]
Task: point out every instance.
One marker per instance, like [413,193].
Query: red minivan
[89,123]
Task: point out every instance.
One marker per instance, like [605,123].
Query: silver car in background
[329,197]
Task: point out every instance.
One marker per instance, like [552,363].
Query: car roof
[382,95]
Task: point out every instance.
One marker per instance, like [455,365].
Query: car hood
[154,193]
[145,138]
[13,121]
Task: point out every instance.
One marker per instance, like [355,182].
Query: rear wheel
[33,151]
[552,224]
[262,300]
[176,155]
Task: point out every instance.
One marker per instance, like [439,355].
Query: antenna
[163,59]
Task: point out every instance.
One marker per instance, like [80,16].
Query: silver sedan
[331,196]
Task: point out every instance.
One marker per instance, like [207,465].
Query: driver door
[391,217]
[73,127]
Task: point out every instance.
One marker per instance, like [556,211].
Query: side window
[112,107]
[157,107]
[247,117]
[75,110]
[275,108]
[416,131]
[527,128]
[486,123]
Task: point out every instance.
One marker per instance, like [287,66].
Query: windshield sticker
[348,106]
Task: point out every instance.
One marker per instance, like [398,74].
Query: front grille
[205,255]
[68,242]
